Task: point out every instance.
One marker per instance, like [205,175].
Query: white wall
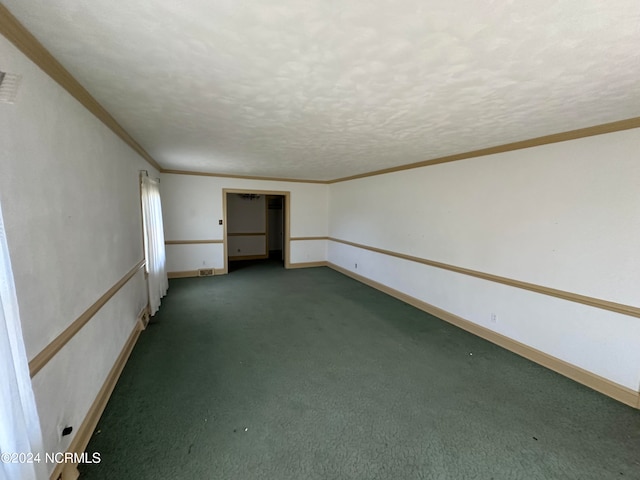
[565,215]
[70,196]
[192,206]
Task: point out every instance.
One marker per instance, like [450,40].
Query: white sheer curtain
[19,422]
[154,241]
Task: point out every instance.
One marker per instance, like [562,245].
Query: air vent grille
[9,84]
[205,272]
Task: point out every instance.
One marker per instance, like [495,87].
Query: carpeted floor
[307,374]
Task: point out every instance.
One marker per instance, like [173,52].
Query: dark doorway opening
[275,227]
[256,228]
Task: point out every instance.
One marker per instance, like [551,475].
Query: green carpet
[280,374]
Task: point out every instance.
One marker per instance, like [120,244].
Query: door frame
[287,210]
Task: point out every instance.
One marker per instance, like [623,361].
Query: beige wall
[246,215]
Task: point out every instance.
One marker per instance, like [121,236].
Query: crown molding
[601,129]
[245,177]
[627,124]
[29,45]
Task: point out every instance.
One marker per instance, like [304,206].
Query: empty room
[319,240]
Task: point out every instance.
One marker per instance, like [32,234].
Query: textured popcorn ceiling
[321,89]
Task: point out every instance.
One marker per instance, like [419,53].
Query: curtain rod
[146,173]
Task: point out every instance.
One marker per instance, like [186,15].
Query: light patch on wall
[9,83]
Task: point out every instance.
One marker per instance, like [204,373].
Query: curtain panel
[154,242]
[20,434]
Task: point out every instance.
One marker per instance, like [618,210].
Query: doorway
[256,226]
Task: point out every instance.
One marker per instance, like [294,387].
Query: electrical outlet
[494,318]
[64,429]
